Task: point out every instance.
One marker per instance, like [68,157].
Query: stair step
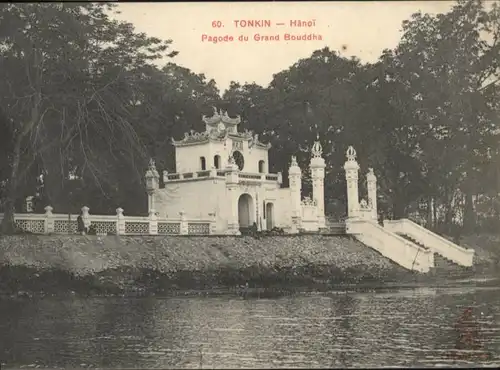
[404,236]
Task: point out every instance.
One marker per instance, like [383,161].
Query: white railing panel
[112,224]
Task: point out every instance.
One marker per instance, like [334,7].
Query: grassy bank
[117,265]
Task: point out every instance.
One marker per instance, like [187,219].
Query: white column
[318,180]
[371,180]
[49,220]
[151,204]
[184,227]
[120,222]
[232,179]
[351,168]
[86,217]
[152,184]
[153,223]
[295,180]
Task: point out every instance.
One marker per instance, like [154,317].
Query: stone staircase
[445,268]
[442,266]
[401,250]
[334,228]
[421,236]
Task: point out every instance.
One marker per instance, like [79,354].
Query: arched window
[262,167]
[203,163]
[217,161]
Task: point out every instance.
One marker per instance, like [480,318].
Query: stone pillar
[371,180]
[295,179]
[318,181]
[351,168]
[232,179]
[184,228]
[153,222]
[213,223]
[152,184]
[49,220]
[29,204]
[120,222]
[86,217]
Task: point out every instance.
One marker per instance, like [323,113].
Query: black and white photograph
[250,184]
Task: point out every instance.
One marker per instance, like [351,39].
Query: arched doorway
[245,210]
[269,216]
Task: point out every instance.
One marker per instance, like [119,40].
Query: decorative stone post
[152,184]
[49,220]
[213,223]
[120,222]
[318,180]
[29,204]
[184,228]
[232,179]
[86,217]
[280,178]
[153,223]
[371,180]
[351,168]
[295,179]
[213,172]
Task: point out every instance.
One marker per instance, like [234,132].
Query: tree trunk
[448,210]
[469,215]
[434,214]
[430,223]
[8,224]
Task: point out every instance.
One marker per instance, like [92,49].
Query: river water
[405,327]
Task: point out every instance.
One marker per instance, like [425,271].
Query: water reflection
[402,328]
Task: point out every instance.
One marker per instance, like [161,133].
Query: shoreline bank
[110,265]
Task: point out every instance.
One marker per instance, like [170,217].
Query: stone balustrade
[119,224]
[220,174]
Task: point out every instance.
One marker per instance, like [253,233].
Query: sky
[361,29]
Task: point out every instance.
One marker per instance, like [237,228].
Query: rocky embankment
[121,265]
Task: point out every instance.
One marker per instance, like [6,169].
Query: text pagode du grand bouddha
[301,31]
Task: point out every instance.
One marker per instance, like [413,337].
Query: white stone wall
[252,158]
[283,208]
[188,157]
[199,198]
[222,151]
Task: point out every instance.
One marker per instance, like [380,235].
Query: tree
[448,72]
[66,73]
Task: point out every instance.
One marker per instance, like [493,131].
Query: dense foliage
[83,102]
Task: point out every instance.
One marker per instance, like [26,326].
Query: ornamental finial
[351,153]
[294,161]
[152,165]
[317,149]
